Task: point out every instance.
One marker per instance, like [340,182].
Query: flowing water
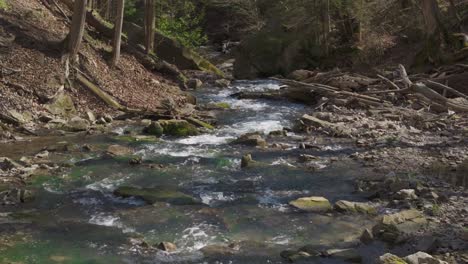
[76,218]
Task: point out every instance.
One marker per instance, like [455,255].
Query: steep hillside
[33,70]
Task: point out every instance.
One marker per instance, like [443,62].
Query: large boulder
[398,227]
[157,194]
[423,258]
[312,204]
[251,139]
[355,207]
[178,128]
[62,106]
[155,129]
[171,50]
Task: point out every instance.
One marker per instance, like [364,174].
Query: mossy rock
[154,129]
[178,128]
[391,259]
[200,123]
[157,194]
[355,207]
[312,204]
[223,105]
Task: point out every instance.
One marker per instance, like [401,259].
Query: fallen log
[329,90]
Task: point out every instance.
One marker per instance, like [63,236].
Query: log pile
[443,91]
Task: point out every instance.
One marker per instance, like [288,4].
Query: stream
[76,218]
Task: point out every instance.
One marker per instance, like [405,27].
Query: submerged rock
[312,204]
[157,194]
[397,227]
[216,251]
[355,207]
[348,254]
[178,128]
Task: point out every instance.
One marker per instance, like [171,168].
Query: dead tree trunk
[149,25]
[77,28]
[116,42]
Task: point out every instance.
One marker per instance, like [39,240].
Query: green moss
[200,123]
[4,5]
[178,128]
[136,139]
[312,204]
[48,252]
[223,105]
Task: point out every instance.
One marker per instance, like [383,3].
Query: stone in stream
[390,259]
[167,246]
[422,258]
[298,256]
[367,237]
[406,194]
[178,128]
[355,207]
[7,164]
[399,226]
[194,84]
[157,194]
[247,161]
[217,251]
[154,129]
[117,150]
[222,83]
[251,139]
[349,254]
[313,204]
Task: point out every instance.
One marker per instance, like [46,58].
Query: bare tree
[149,25]
[116,42]
[77,28]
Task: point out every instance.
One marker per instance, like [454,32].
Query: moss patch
[157,194]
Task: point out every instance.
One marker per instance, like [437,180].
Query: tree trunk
[117,32]
[77,28]
[149,25]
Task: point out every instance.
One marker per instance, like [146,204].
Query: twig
[447,88]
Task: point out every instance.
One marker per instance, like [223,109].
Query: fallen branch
[99,93]
[429,93]
[450,89]
[329,90]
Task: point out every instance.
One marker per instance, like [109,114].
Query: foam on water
[176,150]
[197,237]
[206,139]
[106,184]
[102,219]
[210,198]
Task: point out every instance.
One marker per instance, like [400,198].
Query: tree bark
[77,28]
[149,25]
[117,40]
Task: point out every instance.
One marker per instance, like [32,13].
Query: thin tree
[77,28]
[149,25]
[117,40]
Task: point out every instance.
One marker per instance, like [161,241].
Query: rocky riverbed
[266,182]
